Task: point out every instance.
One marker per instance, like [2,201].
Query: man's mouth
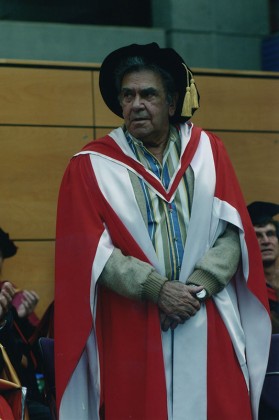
[266,251]
[139,118]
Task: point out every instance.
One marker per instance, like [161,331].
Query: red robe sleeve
[76,244]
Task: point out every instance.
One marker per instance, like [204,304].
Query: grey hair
[138,63]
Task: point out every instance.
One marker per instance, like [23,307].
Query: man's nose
[138,102]
[265,238]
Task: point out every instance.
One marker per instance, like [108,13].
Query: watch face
[201,294]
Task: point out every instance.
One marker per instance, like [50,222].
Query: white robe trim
[81,398]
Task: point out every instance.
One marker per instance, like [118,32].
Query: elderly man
[267,231]
[159,314]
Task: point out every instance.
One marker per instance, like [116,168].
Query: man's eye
[148,95]
[127,97]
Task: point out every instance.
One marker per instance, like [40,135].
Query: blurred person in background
[16,328]
[267,231]
[24,301]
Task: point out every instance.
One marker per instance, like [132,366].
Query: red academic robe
[128,335]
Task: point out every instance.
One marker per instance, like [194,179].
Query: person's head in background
[267,230]
[7,247]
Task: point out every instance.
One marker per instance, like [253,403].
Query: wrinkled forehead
[144,78]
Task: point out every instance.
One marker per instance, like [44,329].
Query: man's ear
[173,104]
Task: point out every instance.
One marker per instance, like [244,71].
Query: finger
[35,295]
[162,316]
[27,295]
[3,300]
[163,321]
[4,303]
[8,288]
[7,296]
[176,318]
[193,288]
[193,301]
[31,296]
[192,310]
[173,325]
[26,301]
[31,293]
[171,321]
[26,304]
[165,325]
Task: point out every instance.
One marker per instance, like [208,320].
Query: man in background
[267,232]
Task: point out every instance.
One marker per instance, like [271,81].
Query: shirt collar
[174,137]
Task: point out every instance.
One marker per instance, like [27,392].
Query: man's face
[145,108]
[268,242]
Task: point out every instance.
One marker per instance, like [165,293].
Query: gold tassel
[187,104]
[194,94]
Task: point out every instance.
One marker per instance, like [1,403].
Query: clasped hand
[177,303]
[6,295]
[28,303]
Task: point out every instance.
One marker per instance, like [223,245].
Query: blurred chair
[46,346]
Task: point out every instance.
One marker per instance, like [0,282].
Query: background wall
[216,34]
[50,110]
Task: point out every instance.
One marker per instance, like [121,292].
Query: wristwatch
[201,295]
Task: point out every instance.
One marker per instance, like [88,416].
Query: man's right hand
[6,295]
[178,303]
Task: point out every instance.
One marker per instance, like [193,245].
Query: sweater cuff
[205,279]
[152,286]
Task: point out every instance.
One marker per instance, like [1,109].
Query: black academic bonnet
[262,213]
[167,59]
[7,247]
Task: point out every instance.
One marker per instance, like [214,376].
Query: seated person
[20,355]
[16,329]
[24,301]
[6,296]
